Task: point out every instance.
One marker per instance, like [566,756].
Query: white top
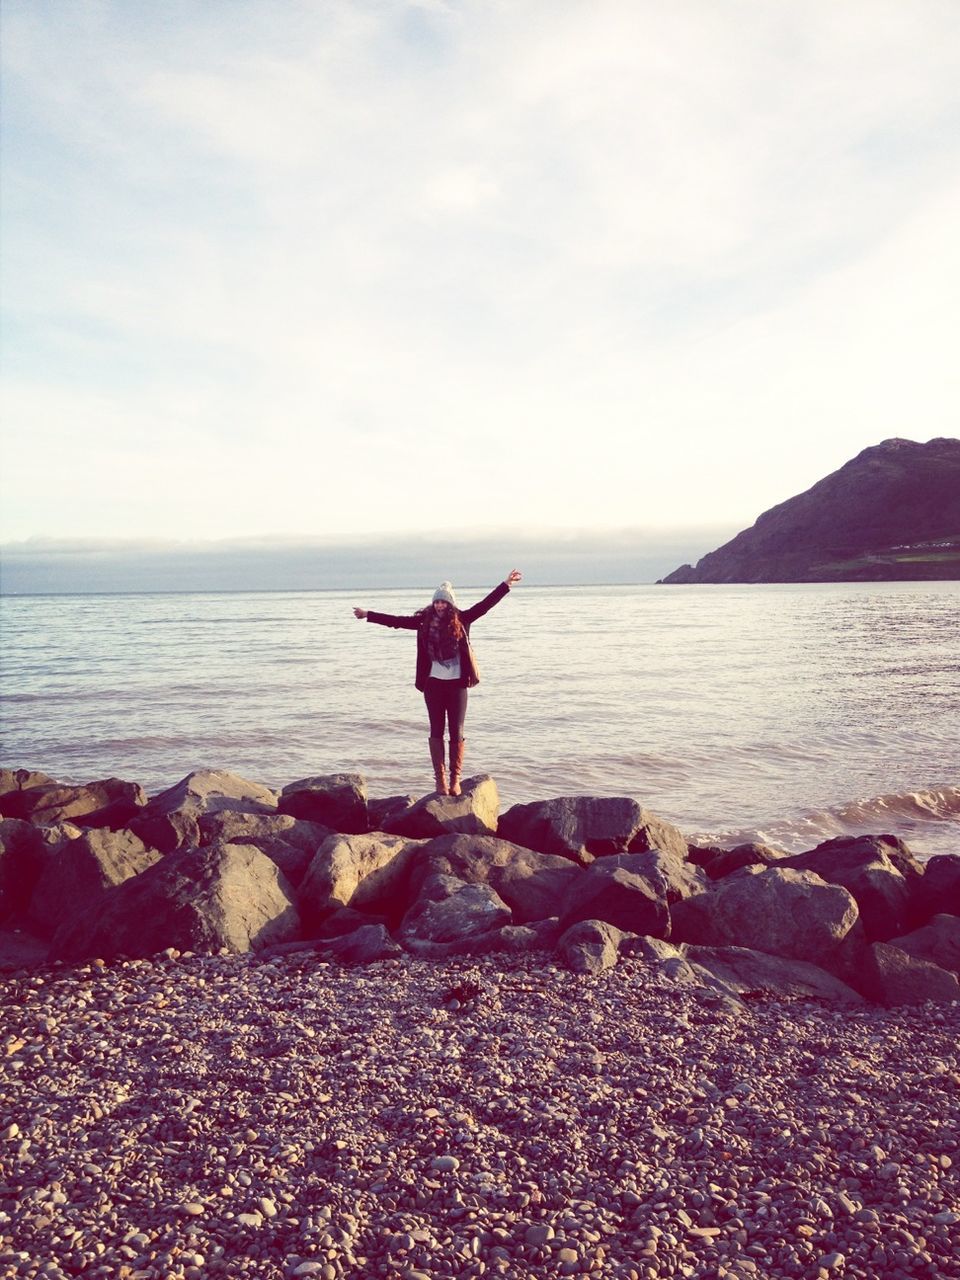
[446,670]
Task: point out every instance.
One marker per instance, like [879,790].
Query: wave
[939,804]
[927,818]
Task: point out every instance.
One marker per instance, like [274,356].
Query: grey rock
[879,871]
[740,971]
[533,885]
[23,855]
[108,802]
[171,820]
[221,896]
[448,910]
[652,950]
[367,872]
[215,791]
[379,811]
[474,812]
[938,941]
[542,935]
[76,877]
[718,863]
[366,945]
[337,800]
[777,910]
[167,831]
[23,780]
[586,827]
[939,890]
[611,892]
[670,877]
[890,976]
[590,946]
[287,841]
[511,939]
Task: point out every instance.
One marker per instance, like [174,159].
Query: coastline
[281,1085]
[798,712]
[229,1116]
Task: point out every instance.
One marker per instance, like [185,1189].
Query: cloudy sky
[316,273]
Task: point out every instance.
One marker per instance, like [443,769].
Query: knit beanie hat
[445,592]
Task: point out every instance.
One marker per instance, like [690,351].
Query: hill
[892,512]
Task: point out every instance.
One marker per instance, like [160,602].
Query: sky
[366,279]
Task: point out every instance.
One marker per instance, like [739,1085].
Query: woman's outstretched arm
[387,619]
[486,604]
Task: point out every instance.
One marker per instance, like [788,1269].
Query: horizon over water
[788,713]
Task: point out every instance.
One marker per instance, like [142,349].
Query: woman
[446,667]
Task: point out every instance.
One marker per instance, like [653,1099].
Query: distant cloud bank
[550,558]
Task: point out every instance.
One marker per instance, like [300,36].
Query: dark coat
[420,622]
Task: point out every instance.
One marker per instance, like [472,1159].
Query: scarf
[442,644]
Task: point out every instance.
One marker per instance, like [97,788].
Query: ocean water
[785,713]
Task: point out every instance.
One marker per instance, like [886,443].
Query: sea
[783,713]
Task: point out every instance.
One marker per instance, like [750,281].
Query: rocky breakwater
[218,863]
[322,1035]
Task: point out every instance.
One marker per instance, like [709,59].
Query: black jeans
[446,700]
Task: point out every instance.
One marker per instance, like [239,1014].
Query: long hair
[450,621]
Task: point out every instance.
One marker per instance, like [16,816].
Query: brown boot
[456,764]
[439,772]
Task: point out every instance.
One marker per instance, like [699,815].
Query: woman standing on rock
[446,667]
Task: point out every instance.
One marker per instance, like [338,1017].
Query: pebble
[222,1118]
[831,1261]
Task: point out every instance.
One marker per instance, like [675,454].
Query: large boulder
[777,910]
[76,877]
[671,878]
[108,803]
[937,942]
[23,779]
[366,945]
[590,946]
[880,872]
[23,855]
[891,976]
[381,810]
[939,890]
[289,842]
[204,900]
[448,910]
[612,891]
[741,972]
[171,820]
[718,863]
[366,872]
[586,827]
[510,940]
[533,885]
[337,800]
[473,813]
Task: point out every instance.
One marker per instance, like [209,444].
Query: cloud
[318,268]
[562,556]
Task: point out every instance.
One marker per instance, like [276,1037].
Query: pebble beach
[195,1116]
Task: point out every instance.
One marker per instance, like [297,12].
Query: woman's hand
[359,613]
[513,577]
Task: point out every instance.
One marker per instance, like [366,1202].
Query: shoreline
[234,1116]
